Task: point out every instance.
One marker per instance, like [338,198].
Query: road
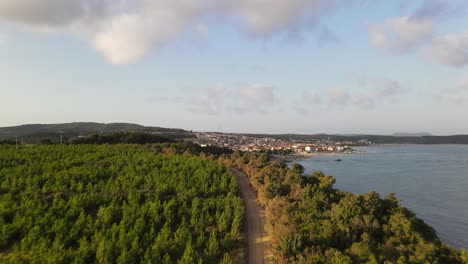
[258,244]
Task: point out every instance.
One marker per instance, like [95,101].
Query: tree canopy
[115,204]
[312,222]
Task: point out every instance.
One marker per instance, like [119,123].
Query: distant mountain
[79,128]
[404,134]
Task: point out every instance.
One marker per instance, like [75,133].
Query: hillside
[78,128]
[35,133]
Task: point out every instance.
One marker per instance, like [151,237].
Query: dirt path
[258,246]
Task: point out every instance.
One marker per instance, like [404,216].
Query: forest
[63,133]
[179,203]
[312,222]
[121,138]
[116,204]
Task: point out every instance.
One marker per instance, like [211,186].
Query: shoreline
[410,144]
[304,156]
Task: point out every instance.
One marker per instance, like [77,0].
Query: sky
[257,66]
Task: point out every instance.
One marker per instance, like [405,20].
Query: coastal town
[274,145]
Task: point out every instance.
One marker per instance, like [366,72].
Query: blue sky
[262,66]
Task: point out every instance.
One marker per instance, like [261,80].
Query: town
[274,145]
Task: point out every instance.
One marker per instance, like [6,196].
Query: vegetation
[189,148]
[115,204]
[312,222]
[38,133]
[173,203]
[34,133]
[279,152]
[121,138]
[78,128]
[7,142]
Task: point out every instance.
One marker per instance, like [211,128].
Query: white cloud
[407,33]
[339,96]
[309,98]
[202,28]
[255,97]
[59,15]
[2,38]
[363,101]
[125,31]
[343,97]
[210,101]
[266,17]
[257,93]
[250,98]
[377,90]
[127,37]
[325,36]
[457,100]
[456,94]
[381,87]
[450,49]
[387,88]
[402,34]
[460,87]
[440,9]
[463,85]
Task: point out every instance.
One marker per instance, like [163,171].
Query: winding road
[258,243]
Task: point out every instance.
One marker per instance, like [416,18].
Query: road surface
[258,245]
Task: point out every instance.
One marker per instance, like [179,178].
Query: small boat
[338,160]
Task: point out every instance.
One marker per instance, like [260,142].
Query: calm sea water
[431,180]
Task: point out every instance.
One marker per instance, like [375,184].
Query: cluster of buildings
[275,145]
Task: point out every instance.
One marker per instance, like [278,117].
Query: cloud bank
[450,49]
[2,39]
[379,90]
[125,31]
[407,33]
[402,34]
[209,101]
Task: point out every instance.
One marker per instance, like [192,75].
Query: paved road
[258,246]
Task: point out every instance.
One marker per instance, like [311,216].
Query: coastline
[382,171]
[304,156]
[411,144]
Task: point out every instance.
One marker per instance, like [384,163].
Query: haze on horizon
[260,66]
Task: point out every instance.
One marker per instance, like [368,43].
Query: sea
[431,180]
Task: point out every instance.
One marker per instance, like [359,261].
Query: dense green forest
[312,222]
[176,203]
[121,138]
[116,204]
[78,128]
[55,133]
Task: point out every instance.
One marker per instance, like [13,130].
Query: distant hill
[376,139]
[404,134]
[34,132]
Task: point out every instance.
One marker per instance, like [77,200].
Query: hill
[34,133]
[78,128]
